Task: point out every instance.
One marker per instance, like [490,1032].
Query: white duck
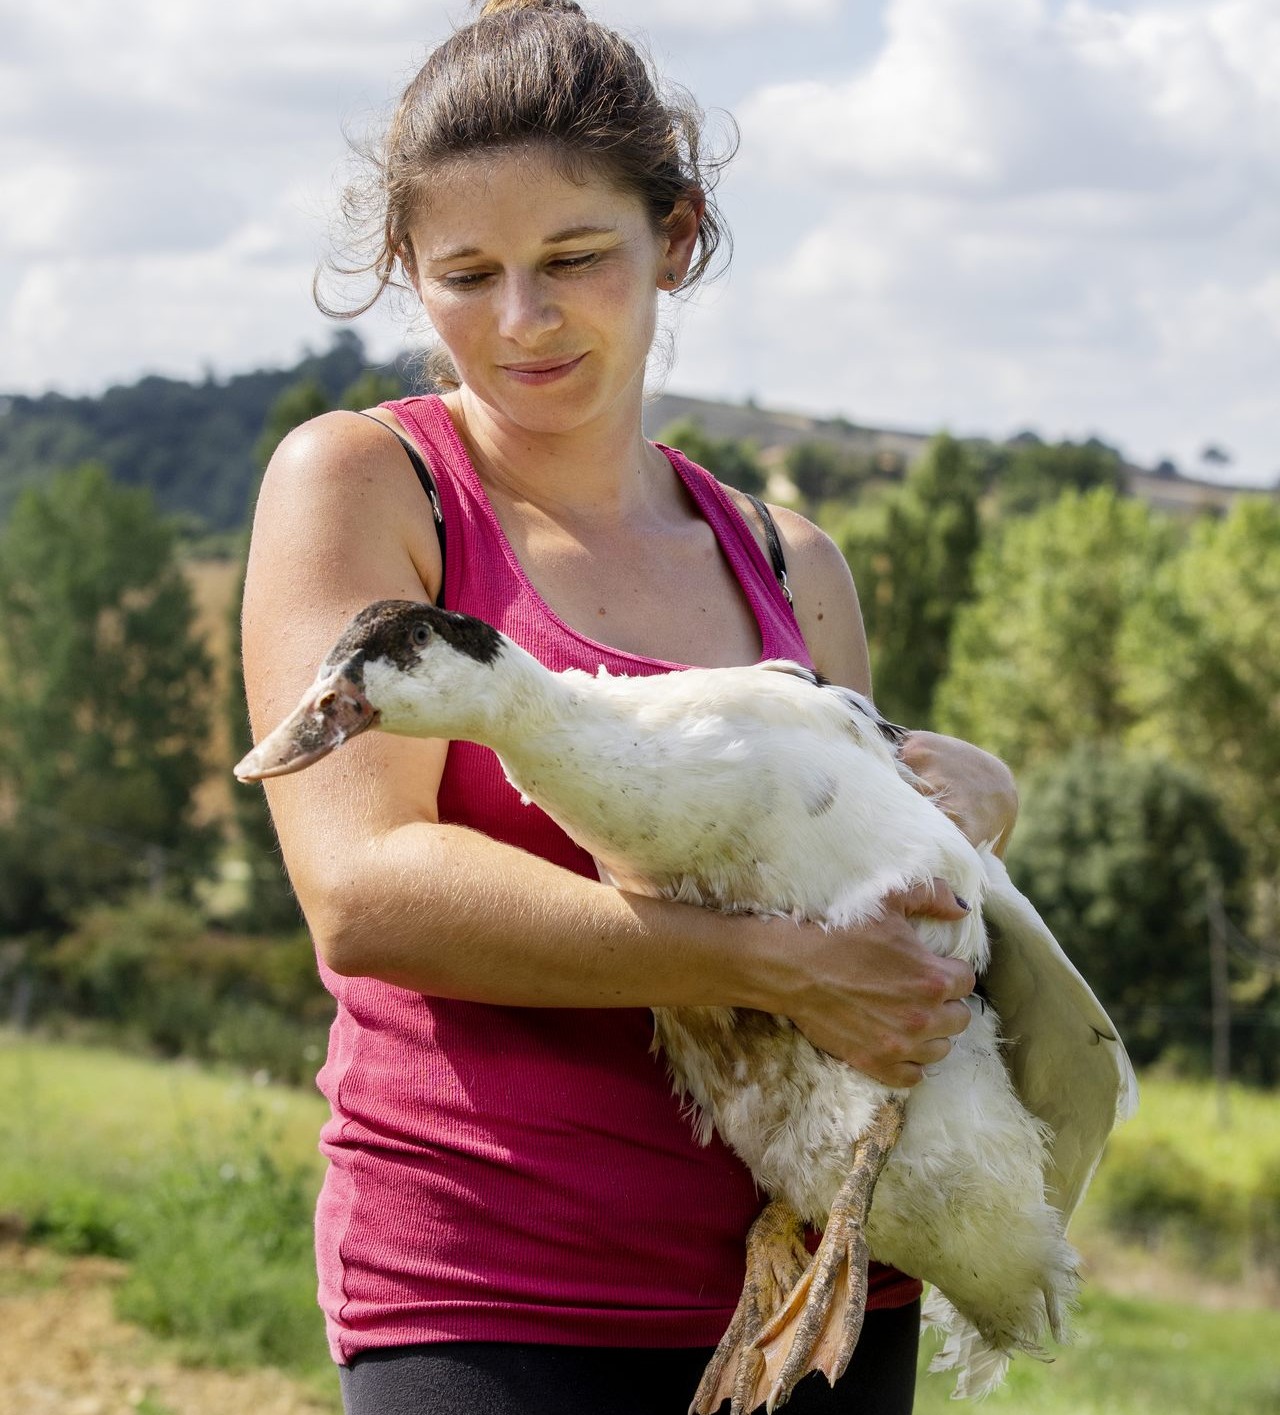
[763,789]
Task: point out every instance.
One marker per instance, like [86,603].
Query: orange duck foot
[817,1327]
[776,1259]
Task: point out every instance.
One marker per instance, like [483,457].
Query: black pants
[497,1378]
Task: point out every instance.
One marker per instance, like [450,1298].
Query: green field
[203,1183]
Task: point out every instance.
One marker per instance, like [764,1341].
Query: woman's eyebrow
[574,233]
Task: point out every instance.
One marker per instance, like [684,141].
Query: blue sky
[981,214]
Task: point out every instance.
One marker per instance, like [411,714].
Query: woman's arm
[391,893]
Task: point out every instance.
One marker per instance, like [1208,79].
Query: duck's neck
[517,702]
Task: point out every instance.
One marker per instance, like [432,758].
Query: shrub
[150,973]
[1264,1217]
[1155,1195]
[222,1256]
[1120,854]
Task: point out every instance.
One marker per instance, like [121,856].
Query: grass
[203,1182]
[1140,1358]
[1184,1115]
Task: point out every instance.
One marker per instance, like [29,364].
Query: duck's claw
[817,1327]
[776,1256]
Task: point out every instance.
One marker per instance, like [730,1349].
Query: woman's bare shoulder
[824,597]
[341,486]
[340,447]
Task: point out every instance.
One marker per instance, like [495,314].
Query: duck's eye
[421,635]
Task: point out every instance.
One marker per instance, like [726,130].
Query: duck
[767,789]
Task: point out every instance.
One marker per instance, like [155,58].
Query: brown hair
[531,72]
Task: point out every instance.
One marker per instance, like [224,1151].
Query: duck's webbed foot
[776,1256]
[818,1325]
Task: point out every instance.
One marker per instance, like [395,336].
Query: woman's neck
[603,471]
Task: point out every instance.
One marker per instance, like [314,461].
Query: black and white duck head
[404,667]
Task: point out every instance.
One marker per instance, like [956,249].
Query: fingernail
[963,903]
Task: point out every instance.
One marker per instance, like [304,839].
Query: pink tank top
[526,1174]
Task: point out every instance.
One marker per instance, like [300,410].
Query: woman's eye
[465,280]
[575,262]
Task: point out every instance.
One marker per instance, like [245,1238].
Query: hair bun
[498,7]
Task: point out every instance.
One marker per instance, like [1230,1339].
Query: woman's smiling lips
[542,370]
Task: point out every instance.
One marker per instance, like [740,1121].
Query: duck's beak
[332,710]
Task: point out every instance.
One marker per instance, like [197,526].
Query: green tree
[1030,473]
[1035,658]
[103,701]
[1202,649]
[269,904]
[1120,854]
[299,403]
[911,557]
[821,471]
[728,459]
[374,386]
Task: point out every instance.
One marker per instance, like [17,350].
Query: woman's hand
[872,994]
[971,786]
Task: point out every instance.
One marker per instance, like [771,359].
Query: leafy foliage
[1036,661]
[1120,854]
[222,1252]
[103,701]
[1030,474]
[1202,648]
[911,557]
[821,471]
[153,976]
[727,459]
[192,444]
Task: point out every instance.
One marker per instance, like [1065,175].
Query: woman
[516,1215]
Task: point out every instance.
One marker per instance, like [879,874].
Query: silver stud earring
[671,277]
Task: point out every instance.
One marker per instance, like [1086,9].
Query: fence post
[1220,999]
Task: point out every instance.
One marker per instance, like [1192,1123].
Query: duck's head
[402,666]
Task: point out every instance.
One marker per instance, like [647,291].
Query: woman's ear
[680,235]
[404,253]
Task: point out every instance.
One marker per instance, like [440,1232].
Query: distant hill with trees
[192,444]
[196,446]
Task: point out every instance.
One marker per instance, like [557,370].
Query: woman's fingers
[931,899]
[881,1000]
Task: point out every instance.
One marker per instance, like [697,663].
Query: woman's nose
[527,310]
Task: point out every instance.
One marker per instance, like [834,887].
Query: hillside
[193,443]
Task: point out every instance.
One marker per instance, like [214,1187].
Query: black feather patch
[399,629]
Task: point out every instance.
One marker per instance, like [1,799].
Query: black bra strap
[428,483]
[776,557]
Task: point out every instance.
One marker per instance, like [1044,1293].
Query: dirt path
[67,1353]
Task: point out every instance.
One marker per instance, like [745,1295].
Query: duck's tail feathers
[979,1367]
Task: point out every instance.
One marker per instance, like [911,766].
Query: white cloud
[987,213]
[1026,214]
[714,15]
[1012,95]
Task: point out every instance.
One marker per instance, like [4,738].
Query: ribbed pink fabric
[525,1174]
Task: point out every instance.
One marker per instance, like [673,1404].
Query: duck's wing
[1064,1055]
[855,706]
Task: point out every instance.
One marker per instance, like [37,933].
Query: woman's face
[541,288]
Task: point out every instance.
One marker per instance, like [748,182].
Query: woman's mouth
[538,371]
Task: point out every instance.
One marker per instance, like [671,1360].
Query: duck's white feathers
[756,789]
